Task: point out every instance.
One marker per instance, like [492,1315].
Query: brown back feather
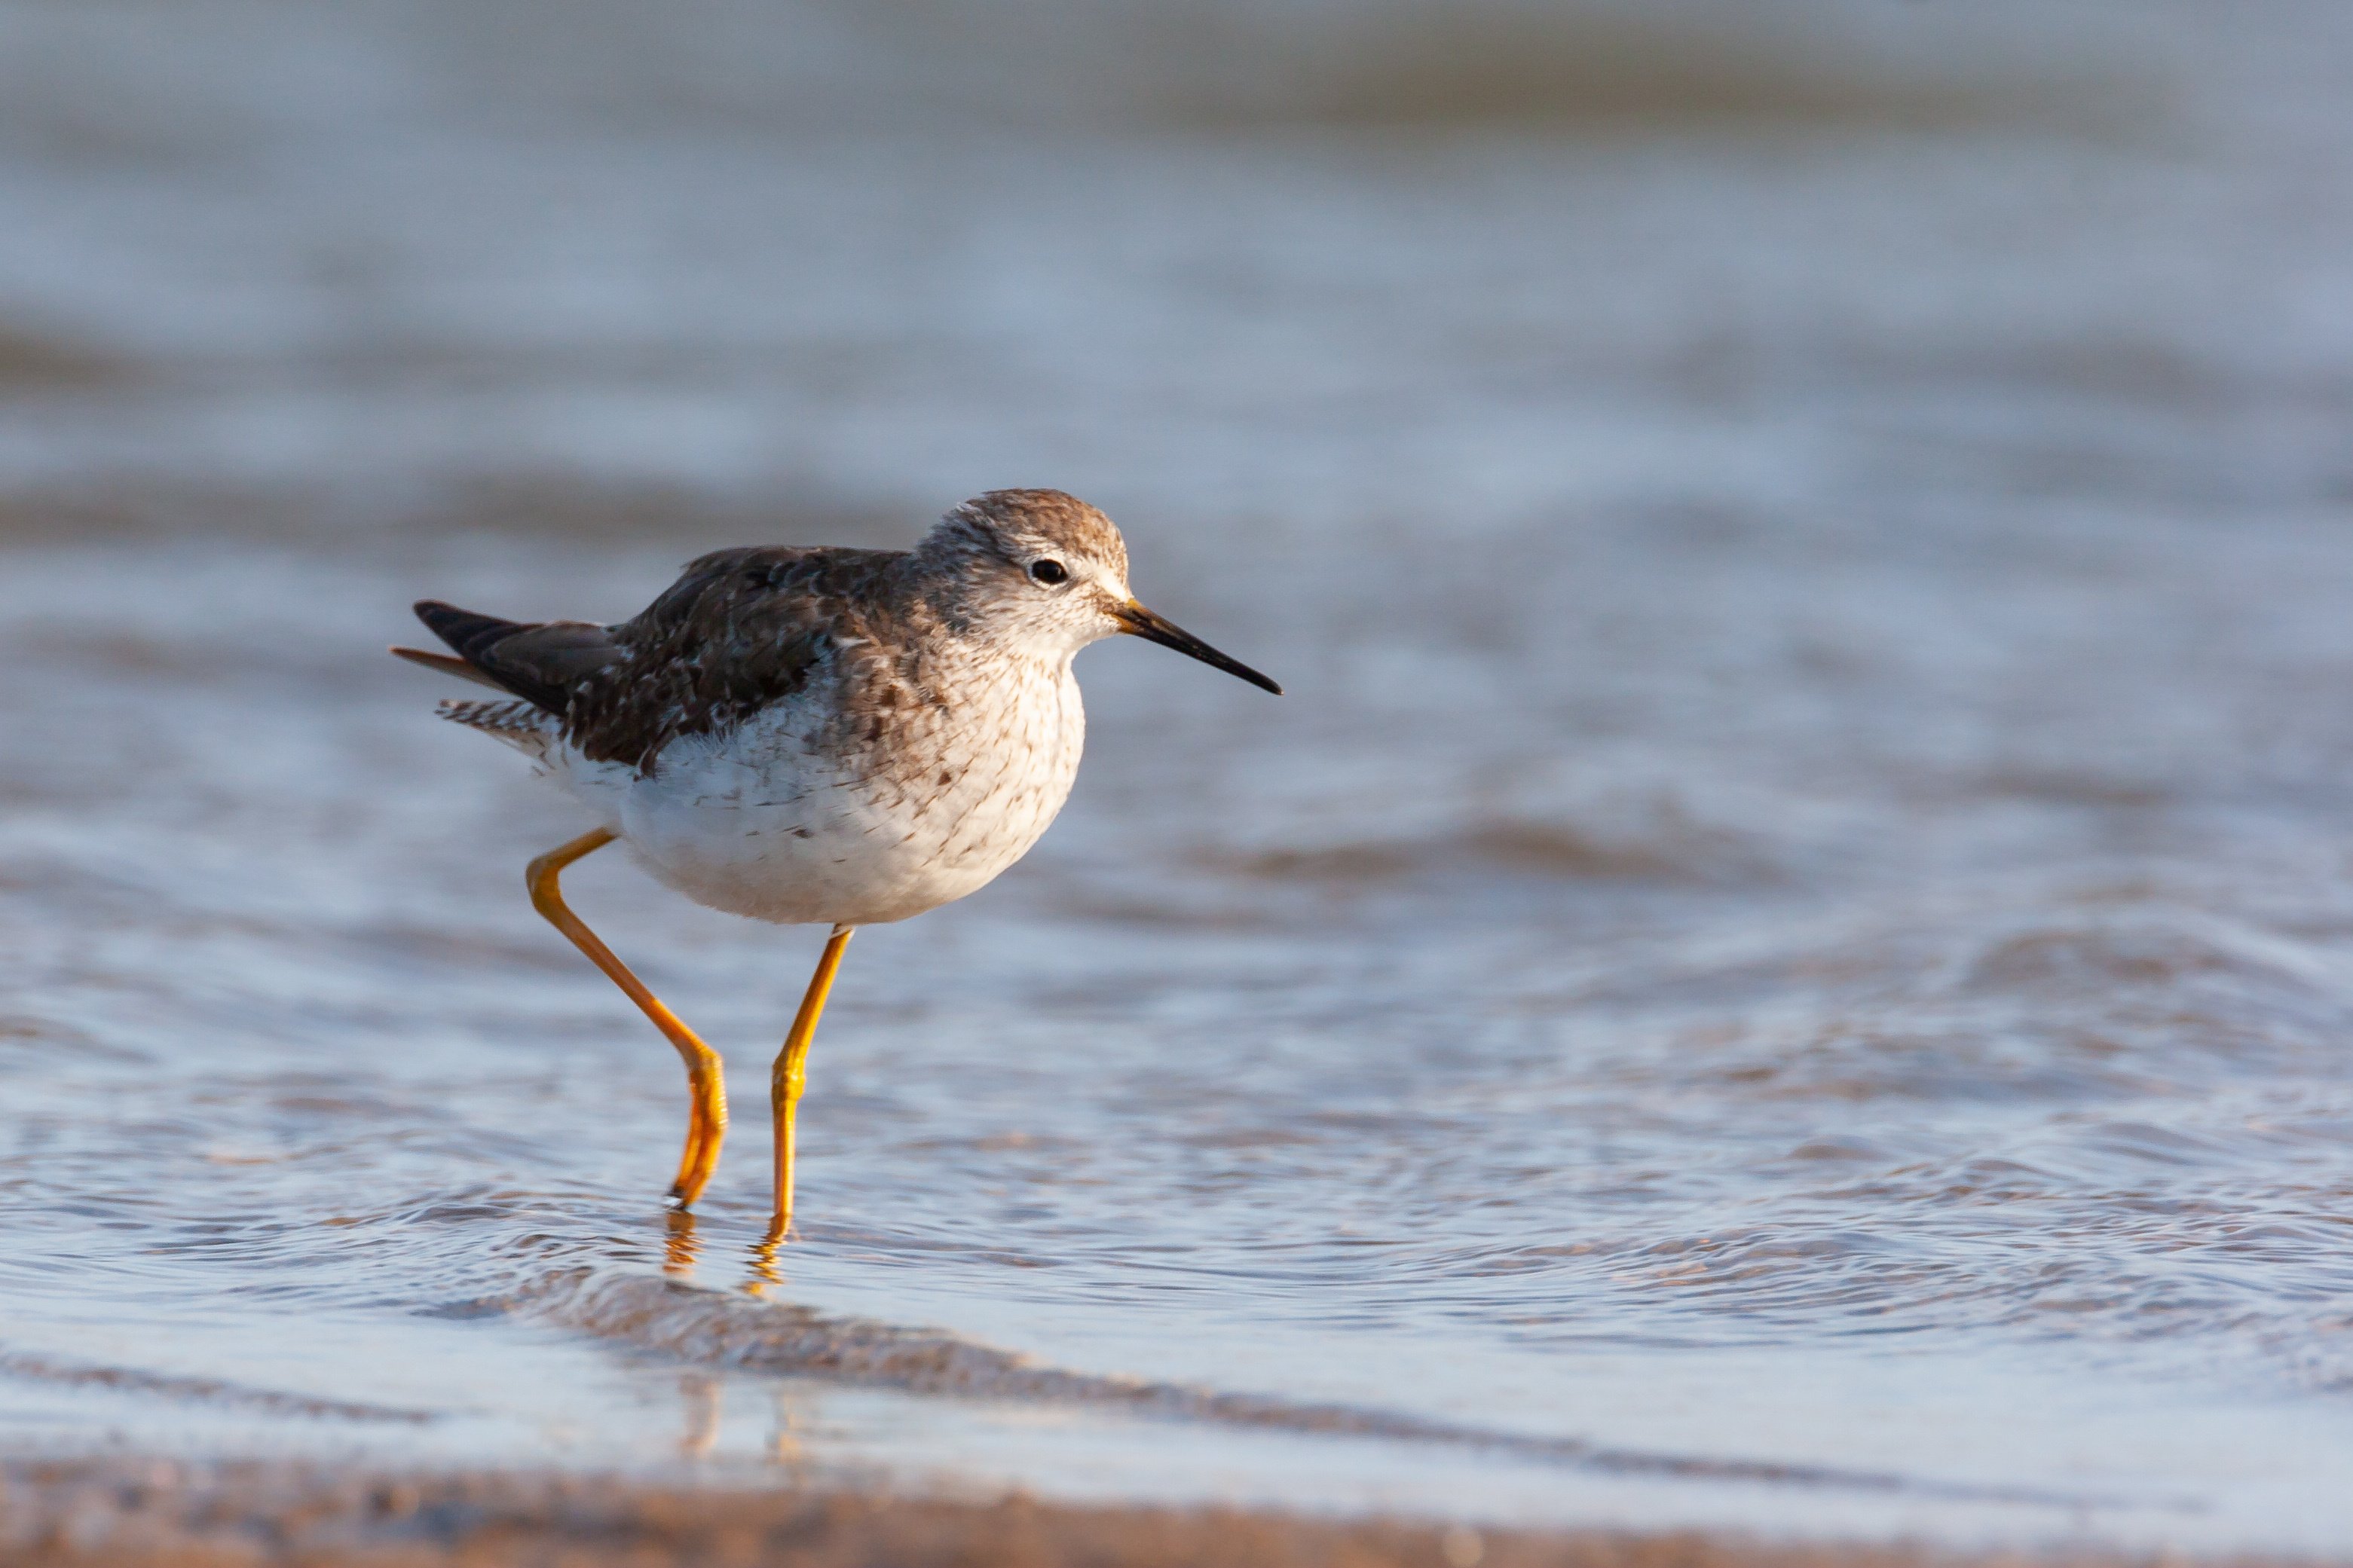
[739,630]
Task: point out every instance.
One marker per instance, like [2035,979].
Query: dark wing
[740,630]
[544,663]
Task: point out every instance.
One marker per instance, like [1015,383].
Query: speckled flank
[837,736]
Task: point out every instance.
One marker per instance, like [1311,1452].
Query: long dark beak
[1136,618]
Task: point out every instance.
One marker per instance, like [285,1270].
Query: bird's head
[1046,570]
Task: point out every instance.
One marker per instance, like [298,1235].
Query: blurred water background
[1787,961]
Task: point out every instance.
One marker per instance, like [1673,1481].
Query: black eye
[1049,572]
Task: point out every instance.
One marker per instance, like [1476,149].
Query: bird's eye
[1049,572]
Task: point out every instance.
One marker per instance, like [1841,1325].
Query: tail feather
[445,664]
[541,662]
[523,725]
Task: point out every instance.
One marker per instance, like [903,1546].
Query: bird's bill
[1138,621]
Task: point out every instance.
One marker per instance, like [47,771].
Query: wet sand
[162,1514]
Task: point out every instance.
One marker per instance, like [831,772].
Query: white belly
[765,821]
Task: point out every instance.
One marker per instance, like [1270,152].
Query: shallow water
[1787,960]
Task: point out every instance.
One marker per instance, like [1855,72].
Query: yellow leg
[790,1073]
[707,1110]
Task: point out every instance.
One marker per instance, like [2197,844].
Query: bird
[813,735]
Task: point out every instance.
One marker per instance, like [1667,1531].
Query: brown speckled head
[1039,568]
[1044,571]
[1020,528]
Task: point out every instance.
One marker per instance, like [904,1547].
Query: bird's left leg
[706,1085]
[790,1074]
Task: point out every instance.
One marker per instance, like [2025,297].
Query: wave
[1667,846]
[206,1390]
[673,1318]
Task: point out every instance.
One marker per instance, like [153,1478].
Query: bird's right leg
[707,1113]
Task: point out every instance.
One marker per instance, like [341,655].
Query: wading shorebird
[815,736]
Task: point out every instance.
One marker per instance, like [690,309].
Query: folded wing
[739,630]
[545,662]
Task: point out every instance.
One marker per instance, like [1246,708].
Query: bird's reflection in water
[681,1248]
[764,1272]
[702,1399]
[784,1433]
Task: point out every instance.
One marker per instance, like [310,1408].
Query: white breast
[794,818]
